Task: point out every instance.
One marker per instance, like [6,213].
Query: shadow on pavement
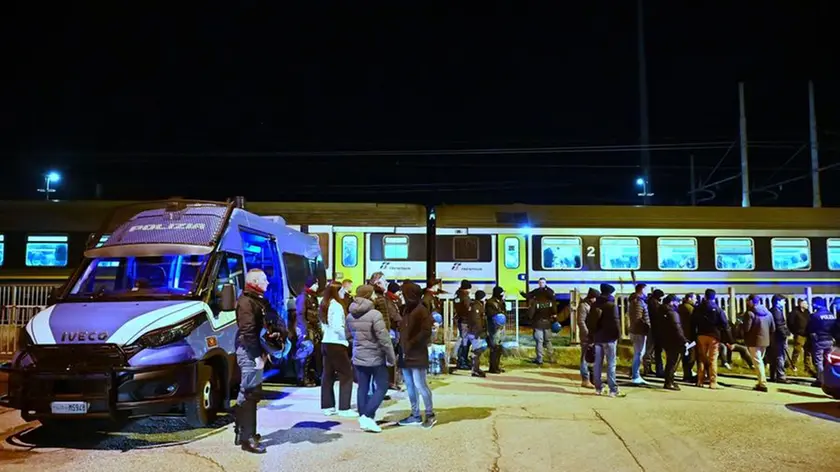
[824,410]
[818,396]
[508,379]
[145,433]
[536,389]
[446,415]
[314,432]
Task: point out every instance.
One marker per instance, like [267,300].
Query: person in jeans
[822,327]
[758,329]
[583,309]
[653,347]
[334,351]
[606,329]
[639,331]
[373,353]
[415,336]
[495,311]
[541,309]
[672,338]
[778,346]
[711,326]
[689,358]
[798,326]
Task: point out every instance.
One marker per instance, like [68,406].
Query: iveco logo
[163,227]
[82,336]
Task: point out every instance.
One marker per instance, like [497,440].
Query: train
[678,249]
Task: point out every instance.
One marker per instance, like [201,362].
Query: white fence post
[574,301]
[809,294]
[733,305]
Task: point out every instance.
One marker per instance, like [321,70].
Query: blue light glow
[53,177]
[640,181]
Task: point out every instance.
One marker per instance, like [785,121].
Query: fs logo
[384,265]
[456,266]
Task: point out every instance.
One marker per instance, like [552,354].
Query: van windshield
[140,277]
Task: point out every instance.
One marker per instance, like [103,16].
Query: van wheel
[204,407]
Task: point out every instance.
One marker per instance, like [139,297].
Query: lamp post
[644,184]
[49,178]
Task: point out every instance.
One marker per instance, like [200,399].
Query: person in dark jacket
[477,333]
[712,327]
[798,326]
[653,348]
[373,353]
[394,308]
[604,322]
[251,310]
[821,329]
[759,327]
[689,358]
[462,304]
[415,335]
[495,306]
[583,309]
[541,308]
[639,331]
[431,296]
[672,338]
[778,346]
[308,361]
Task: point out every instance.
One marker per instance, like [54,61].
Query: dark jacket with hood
[604,320]
[251,310]
[656,313]
[798,321]
[477,322]
[759,327]
[365,326]
[686,310]
[671,330]
[709,320]
[462,305]
[416,328]
[782,331]
[493,307]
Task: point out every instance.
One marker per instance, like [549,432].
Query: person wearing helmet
[308,329]
[494,310]
[462,305]
[477,332]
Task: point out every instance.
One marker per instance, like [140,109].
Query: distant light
[526,229]
[53,176]
[640,181]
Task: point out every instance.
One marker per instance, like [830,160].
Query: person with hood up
[541,308]
[495,307]
[431,296]
[415,335]
[308,330]
[604,322]
[653,347]
[462,305]
[798,325]
[778,346]
[393,306]
[689,358]
[639,331]
[712,328]
[477,333]
[821,329]
[583,309]
[672,339]
[334,349]
[373,354]
[758,329]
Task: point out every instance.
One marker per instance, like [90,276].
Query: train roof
[88,215]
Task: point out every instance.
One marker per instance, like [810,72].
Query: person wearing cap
[822,327]
[308,330]
[604,322]
[494,310]
[672,338]
[583,309]
[462,305]
[477,332]
[653,347]
[779,344]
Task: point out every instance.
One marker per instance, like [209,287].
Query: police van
[147,323]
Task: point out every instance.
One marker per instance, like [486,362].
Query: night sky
[425,105]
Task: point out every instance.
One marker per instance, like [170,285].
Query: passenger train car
[677,249]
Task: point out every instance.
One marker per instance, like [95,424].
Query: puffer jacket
[381,305]
[639,316]
[759,327]
[582,313]
[365,326]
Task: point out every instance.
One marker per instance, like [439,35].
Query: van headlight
[167,335]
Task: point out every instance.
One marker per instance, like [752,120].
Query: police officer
[308,327]
[541,309]
[477,332]
[495,306]
[251,311]
[778,347]
[462,305]
[820,333]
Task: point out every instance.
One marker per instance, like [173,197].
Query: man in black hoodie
[604,322]
[462,305]
[653,350]
[711,326]
[415,336]
[672,338]
[495,306]
[778,347]
[542,307]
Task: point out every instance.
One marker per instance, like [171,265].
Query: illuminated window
[791,253]
[511,253]
[677,253]
[46,251]
[833,253]
[620,253]
[349,251]
[564,253]
[396,247]
[734,254]
[2,248]
[102,240]
[465,248]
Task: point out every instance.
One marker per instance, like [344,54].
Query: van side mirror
[228,298]
[52,298]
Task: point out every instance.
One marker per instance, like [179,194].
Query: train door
[324,235]
[350,257]
[512,264]
[466,256]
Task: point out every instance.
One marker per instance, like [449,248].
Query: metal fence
[512,327]
[18,304]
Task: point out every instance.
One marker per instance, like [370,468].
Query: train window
[620,253]
[511,253]
[734,254]
[2,248]
[323,241]
[46,251]
[395,247]
[349,251]
[677,253]
[562,253]
[833,253]
[791,253]
[465,248]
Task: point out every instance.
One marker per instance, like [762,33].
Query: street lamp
[49,178]
[644,184]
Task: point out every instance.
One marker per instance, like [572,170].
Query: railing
[512,331]
[18,304]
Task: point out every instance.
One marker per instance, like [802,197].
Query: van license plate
[69,408]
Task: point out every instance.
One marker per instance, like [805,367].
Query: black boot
[476,367]
[253,446]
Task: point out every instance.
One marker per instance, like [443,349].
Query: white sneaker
[329,411]
[638,381]
[369,425]
[348,414]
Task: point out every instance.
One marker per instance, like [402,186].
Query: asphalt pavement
[531,419]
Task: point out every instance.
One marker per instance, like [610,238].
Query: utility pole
[815,159]
[745,175]
[431,244]
[693,181]
[644,132]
